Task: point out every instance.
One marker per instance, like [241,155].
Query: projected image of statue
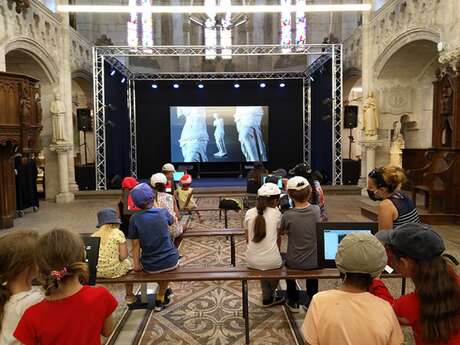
[219,135]
[194,137]
[248,120]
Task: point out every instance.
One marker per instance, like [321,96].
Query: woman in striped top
[395,208]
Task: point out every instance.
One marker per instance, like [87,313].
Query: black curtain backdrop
[116,125]
[321,121]
[285,128]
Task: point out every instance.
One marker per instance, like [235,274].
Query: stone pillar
[368,147]
[2,60]
[65,82]
[62,149]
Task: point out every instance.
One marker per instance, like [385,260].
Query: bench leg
[244,288]
[232,251]
[225,219]
[403,286]
[144,297]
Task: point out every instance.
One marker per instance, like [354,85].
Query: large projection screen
[219,134]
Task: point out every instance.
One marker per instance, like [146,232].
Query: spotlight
[236,86]
[311,78]
[176,86]
[112,73]
[154,86]
[200,86]
[282,85]
[262,85]
[123,80]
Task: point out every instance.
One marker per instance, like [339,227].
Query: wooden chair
[433,180]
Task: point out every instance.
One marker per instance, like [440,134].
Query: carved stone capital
[451,59]
[61,146]
[371,144]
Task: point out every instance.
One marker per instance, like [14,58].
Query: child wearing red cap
[184,196]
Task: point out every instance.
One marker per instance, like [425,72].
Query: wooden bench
[240,273]
[220,232]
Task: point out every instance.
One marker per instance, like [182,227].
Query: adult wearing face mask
[395,208]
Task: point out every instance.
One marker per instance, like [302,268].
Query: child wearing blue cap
[113,251]
[153,250]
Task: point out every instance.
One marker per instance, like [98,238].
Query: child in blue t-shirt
[149,231]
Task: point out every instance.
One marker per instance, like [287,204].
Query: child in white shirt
[17,270]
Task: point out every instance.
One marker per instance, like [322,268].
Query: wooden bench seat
[241,273]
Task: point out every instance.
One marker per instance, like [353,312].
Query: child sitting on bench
[184,196]
[153,250]
[113,251]
[262,224]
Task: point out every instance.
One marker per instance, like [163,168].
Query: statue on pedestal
[370,118]
[397,144]
[219,135]
[57,110]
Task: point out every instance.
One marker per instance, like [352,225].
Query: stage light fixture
[311,78]
[200,86]
[154,86]
[123,80]
[112,73]
[236,86]
[262,85]
[282,85]
[176,86]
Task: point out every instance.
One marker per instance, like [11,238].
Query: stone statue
[248,120]
[371,119]
[194,137]
[219,135]
[397,144]
[57,110]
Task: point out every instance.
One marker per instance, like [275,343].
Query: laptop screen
[332,240]
[329,236]
[177,175]
[280,181]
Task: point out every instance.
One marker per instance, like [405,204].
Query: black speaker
[84,120]
[85,176]
[351,171]
[350,118]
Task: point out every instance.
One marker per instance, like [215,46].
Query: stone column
[65,82]
[368,147]
[2,60]
[62,149]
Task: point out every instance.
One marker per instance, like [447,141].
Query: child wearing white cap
[162,199]
[299,223]
[351,315]
[262,235]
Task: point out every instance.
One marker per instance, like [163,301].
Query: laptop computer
[329,235]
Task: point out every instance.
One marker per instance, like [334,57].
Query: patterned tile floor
[209,313]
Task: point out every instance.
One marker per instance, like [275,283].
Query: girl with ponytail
[17,270]
[262,235]
[70,313]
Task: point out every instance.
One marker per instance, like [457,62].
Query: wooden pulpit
[20,126]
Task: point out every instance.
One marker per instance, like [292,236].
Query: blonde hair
[60,257]
[104,232]
[17,253]
[393,176]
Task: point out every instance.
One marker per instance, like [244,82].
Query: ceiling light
[282,85]
[200,86]
[123,80]
[154,86]
[236,86]
[176,86]
[262,85]
[216,9]
[112,73]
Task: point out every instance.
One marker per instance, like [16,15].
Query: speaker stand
[86,147]
[351,141]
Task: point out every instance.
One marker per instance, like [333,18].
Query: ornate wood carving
[20,126]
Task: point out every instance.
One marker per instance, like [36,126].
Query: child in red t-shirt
[433,310]
[71,314]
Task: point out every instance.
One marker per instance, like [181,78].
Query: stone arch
[38,53]
[350,77]
[409,36]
